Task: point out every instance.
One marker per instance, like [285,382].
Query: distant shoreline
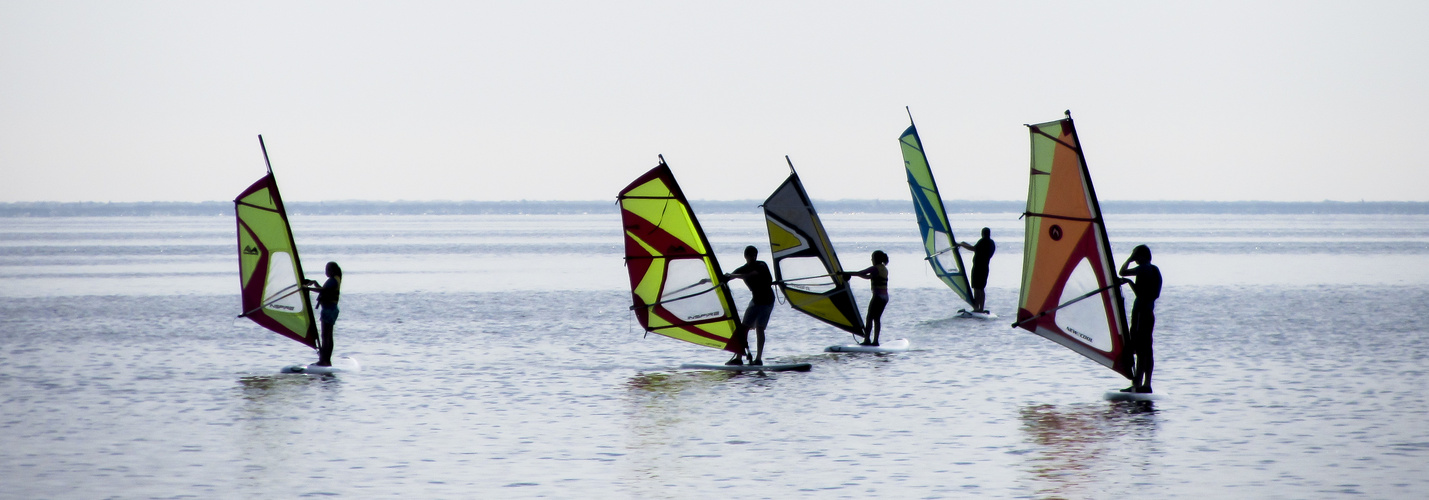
[225,208]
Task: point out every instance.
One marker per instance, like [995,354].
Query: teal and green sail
[270,274]
[938,242]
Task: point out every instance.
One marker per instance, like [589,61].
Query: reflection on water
[1080,449]
[275,418]
[683,425]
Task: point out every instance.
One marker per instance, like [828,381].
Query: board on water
[340,365]
[797,367]
[964,313]
[899,345]
[1131,396]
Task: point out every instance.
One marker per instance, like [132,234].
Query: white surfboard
[899,345]
[798,367]
[1131,396]
[339,365]
[964,313]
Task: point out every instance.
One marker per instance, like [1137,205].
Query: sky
[491,101]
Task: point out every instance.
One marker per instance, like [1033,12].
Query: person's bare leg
[759,339]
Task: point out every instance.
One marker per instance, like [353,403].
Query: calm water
[500,361]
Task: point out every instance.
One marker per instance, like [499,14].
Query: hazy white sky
[140,101]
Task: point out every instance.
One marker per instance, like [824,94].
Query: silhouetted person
[1143,314]
[877,275]
[327,300]
[756,276]
[982,256]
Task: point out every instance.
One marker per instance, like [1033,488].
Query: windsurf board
[1131,396]
[899,345]
[340,365]
[798,367]
[964,313]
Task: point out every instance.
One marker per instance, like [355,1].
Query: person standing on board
[982,256]
[327,300]
[760,281]
[1143,317]
[877,275]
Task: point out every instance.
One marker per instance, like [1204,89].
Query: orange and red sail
[1070,292]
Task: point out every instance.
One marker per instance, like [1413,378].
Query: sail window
[685,296]
[282,293]
[806,274]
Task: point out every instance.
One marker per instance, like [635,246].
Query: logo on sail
[1079,335]
[250,250]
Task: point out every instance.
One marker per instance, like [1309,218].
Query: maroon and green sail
[270,274]
[1070,291]
[674,276]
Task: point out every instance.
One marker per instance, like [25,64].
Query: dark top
[1147,285]
[982,253]
[328,294]
[877,276]
[756,276]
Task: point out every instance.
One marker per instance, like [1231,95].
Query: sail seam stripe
[1063,217]
[1039,131]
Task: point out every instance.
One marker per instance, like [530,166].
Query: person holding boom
[1143,314]
[877,275]
[760,281]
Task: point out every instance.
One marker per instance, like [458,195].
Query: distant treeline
[222,208]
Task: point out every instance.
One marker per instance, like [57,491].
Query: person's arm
[865,274]
[965,244]
[1127,270]
[739,273]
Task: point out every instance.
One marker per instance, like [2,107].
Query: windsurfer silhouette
[877,274]
[1143,317]
[327,300]
[982,257]
[760,281]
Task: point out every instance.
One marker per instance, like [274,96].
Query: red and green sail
[1070,291]
[270,274]
[674,276]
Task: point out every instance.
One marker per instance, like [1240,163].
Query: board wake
[964,313]
[797,367]
[339,365]
[1131,396]
[899,345]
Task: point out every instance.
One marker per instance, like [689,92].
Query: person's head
[986,233]
[879,257]
[1141,254]
[333,271]
[751,253]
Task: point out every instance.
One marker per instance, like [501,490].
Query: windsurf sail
[1070,291]
[938,241]
[674,277]
[805,265]
[270,274]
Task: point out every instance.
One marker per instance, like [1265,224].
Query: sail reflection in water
[1082,450]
